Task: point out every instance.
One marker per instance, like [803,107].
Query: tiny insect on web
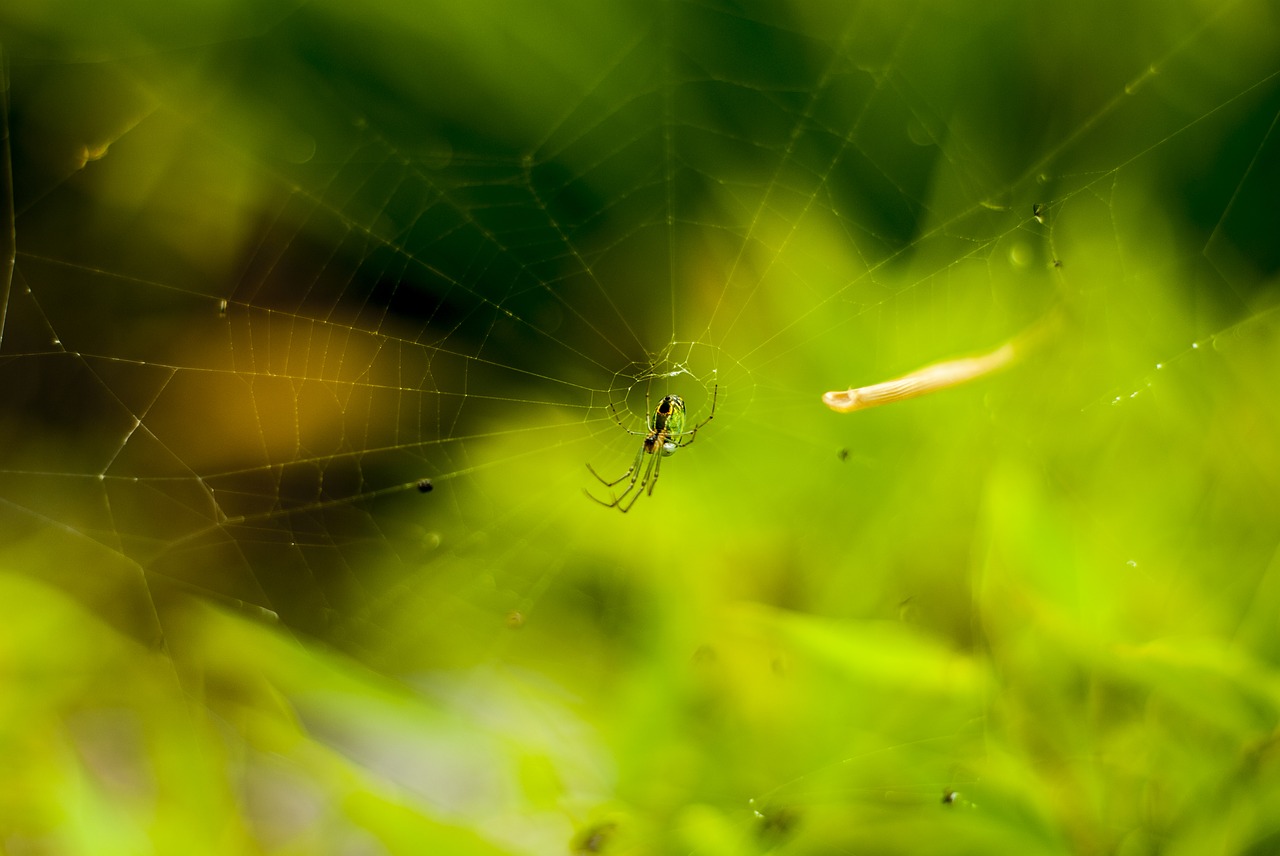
[664,433]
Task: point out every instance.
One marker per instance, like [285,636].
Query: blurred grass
[1052,594]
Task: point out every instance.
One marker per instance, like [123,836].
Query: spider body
[667,420]
[664,433]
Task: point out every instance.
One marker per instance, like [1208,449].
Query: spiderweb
[321,317]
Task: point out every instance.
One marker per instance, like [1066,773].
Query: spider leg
[657,470]
[593,498]
[693,432]
[715,394]
[614,502]
[631,469]
[650,479]
[616,417]
[633,472]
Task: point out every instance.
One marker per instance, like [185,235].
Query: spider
[664,430]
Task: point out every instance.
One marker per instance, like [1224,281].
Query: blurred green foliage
[273,264]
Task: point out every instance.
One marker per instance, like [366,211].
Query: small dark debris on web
[843,454]
[1038,212]
[949,797]
[425,486]
[1057,263]
[595,838]
[705,654]
[906,608]
[777,824]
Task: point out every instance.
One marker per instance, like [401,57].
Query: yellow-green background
[447,236]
